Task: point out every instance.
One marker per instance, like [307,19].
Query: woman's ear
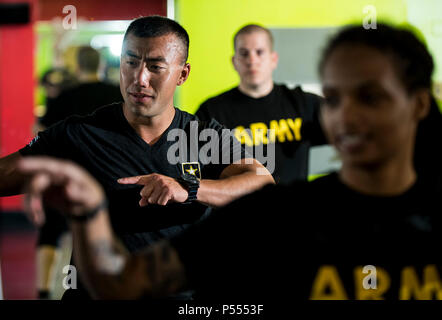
[423,102]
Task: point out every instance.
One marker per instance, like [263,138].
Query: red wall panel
[103,9]
[16,91]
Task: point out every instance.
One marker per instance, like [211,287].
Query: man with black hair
[258,105]
[152,192]
[370,231]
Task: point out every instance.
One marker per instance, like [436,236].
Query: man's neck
[258,91]
[384,180]
[150,129]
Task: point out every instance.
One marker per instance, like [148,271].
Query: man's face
[254,59]
[368,114]
[150,70]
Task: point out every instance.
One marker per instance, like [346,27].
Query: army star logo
[192,168]
[191,171]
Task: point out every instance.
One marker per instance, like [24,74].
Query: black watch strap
[192,194]
[191,184]
[85,216]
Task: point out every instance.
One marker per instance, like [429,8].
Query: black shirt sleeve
[229,149]
[51,142]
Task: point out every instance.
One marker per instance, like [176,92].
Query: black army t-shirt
[292,114]
[313,241]
[109,148]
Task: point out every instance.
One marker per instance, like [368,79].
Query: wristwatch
[191,184]
[88,215]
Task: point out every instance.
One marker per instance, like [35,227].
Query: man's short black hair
[251,28]
[157,26]
[412,61]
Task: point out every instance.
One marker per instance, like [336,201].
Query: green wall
[44,57]
[426,16]
[212,23]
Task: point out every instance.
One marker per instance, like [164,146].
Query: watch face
[190,179]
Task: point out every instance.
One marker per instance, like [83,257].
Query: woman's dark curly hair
[412,61]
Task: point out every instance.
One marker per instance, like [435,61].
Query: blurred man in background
[88,95]
[258,105]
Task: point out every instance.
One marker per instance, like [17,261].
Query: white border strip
[1,290]
[171,9]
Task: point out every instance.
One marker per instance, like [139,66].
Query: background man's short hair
[251,28]
[88,59]
[157,26]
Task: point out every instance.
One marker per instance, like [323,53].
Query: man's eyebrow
[132,54]
[149,59]
[156,59]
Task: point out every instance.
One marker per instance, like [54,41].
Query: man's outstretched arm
[236,180]
[11,180]
[108,271]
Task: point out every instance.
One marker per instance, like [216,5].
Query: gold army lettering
[327,284]
[261,133]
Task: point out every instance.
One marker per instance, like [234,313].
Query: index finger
[131,180]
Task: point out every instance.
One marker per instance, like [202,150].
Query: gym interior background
[39,40]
